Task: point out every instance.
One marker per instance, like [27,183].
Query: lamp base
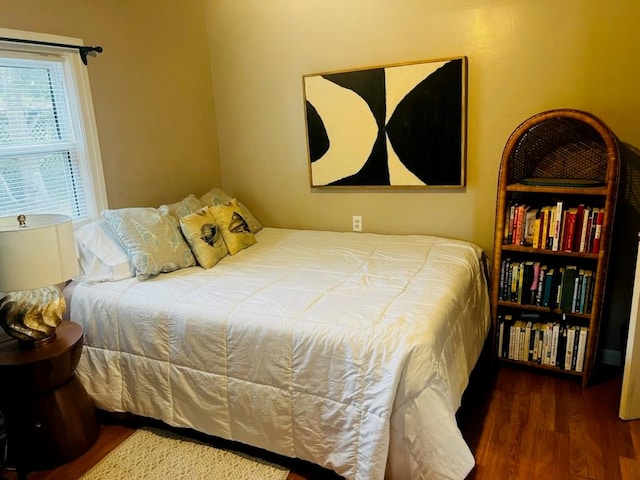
[32,316]
[28,344]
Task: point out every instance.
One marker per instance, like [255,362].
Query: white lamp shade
[41,254]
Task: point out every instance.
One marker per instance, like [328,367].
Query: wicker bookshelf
[556,161]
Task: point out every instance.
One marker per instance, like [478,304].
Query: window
[49,154]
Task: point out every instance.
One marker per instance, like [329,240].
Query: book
[551,227]
[526,344]
[557,297]
[584,229]
[537,344]
[568,287]
[568,357]
[587,281]
[592,229]
[544,225]
[569,229]
[532,339]
[513,221]
[512,340]
[575,243]
[562,342]
[576,341]
[582,347]
[588,294]
[503,278]
[598,232]
[512,275]
[537,229]
[580,225]
[520,285]
[500,334]
[508,224]
[555,333]
[577,291]
[541,340]
[548,340]
[521,216]
[523,341]
[548,283]
[529,226]
[542,273]
[506,335]
[529,282]
[516,340]
[557,226]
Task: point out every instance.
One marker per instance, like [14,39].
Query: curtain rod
[82,50]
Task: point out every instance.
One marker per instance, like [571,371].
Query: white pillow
[102,257]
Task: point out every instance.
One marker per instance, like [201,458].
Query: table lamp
[37,253]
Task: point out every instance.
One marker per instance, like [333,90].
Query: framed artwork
[394,126]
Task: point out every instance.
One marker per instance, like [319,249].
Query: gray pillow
[186,206]
[152,240]
[217,196]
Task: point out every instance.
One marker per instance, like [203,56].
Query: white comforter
[350,350]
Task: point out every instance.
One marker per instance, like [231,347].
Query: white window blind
[50,158]
[39,170]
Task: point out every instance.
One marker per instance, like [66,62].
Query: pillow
[203,235]
[152,240]
[216,196]
[186,206]
[102,257]
[233,226]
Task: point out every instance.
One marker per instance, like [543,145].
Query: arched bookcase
[555,207]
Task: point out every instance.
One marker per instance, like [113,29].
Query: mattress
[349,350]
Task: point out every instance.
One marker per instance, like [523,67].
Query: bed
[348,350]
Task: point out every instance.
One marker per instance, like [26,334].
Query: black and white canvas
[401,125]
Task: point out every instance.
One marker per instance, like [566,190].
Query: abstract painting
[394,126]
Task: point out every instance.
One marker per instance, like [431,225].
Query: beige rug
[150,454]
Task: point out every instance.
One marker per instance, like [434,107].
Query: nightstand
[50,418]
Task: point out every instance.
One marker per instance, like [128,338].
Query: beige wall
[524,57]
[152,90]
[154,99]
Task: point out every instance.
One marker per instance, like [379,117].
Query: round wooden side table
[49,416]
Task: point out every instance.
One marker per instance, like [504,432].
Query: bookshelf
[556,199]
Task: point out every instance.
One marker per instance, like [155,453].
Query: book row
[568,288]
[557,344]
[554,227]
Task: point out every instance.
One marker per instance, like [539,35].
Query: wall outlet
[357,223]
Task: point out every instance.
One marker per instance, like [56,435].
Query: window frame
[81,106]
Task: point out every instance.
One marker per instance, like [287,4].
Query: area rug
[150,454]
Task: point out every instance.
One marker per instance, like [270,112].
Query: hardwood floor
[519,425]
[534,426]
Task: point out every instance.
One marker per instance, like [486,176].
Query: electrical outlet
[357,223]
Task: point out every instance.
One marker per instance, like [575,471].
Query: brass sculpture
[32,315]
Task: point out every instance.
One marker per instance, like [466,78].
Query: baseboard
[611,357]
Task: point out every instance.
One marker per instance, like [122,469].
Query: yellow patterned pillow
[233,226]
[217,196]
[203,235]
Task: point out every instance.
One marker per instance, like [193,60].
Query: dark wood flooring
[519,424]
[536,426]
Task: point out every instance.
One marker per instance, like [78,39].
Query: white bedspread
[350,350]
